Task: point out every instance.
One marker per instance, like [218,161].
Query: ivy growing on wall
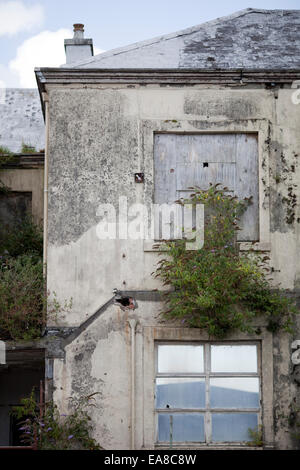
[46,428]
[217,288]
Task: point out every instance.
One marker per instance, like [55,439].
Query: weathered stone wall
[99,137]
[29,180]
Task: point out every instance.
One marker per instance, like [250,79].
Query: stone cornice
[176,77]
[165,76]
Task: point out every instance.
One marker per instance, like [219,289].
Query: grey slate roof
[21,119]
[251,38]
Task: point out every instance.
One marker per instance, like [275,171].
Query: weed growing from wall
[256,436]
[5,156]
[27,148]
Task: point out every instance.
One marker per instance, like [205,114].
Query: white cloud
[16,17]
[8,78]
[46,49]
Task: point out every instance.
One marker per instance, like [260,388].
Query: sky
[32,32]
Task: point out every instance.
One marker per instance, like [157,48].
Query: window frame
[178,191]
[150,127]
[207,374]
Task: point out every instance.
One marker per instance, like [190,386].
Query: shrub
[22,286]
[25,238]
[50,430]
[22,298]
[3,188]
[217,288]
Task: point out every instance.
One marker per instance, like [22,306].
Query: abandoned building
[21,123]
[215,103]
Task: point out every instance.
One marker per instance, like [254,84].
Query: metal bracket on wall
[139,177]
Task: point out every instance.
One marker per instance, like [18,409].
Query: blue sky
[32,31]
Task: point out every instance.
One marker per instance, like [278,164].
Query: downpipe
[132,323]
[45,244]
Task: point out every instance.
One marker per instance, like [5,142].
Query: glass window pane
[232,427]
[237,358]
[180,393]
[234,392]
[180,358]
[186,427]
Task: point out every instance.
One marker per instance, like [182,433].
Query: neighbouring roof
[251,38]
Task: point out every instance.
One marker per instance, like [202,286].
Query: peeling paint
[79,156]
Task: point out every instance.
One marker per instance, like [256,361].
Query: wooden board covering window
[182,161]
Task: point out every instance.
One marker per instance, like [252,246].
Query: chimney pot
[78,27]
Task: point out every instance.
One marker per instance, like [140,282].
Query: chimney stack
[78,48]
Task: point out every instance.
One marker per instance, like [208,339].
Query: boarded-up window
[182,161]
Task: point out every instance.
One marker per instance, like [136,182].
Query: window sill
[225,446]
[257,246]
[152,245]
[157,246]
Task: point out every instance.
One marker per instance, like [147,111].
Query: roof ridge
[170,36]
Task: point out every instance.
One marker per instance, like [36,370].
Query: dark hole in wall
[205,165]
[126,302]
[23,371]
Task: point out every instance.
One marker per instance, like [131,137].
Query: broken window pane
[180,393]
[186,427]
[228,358]
[234,392]
[232,427]
[180,359]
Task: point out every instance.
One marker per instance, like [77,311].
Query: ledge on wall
[25,161]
